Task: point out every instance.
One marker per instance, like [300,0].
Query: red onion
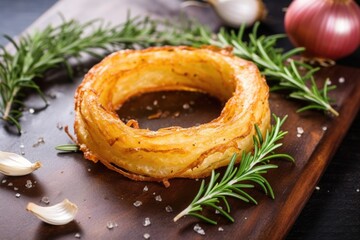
[326,28]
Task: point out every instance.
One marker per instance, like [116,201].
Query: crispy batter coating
[174,152]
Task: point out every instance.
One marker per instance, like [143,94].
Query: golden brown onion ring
[142,154]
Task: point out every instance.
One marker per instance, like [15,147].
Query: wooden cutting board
[104,196]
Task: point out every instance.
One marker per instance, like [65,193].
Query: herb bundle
[236,179]
[53,47]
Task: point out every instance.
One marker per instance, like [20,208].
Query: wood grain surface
[104,196]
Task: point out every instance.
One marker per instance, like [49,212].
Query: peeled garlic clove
[235,13]
[58,214]
[12,164]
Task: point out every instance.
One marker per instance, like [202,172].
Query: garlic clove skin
[58,214]
[12,164]
[235,13]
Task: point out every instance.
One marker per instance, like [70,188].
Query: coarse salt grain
[199,230]
[10,184]
[111,224]
[137,203]
[341,79]
[3,181]
[28,184]
[158,198]
[147,222]
[15,188]
[146,236]
[59,126]
[77,235]
[324,128]
[358,190]
[220,229]
[300,130]
[45,200]
[217,211]
[146,188]
[186,106]
[168,209]
[17,195]
[31,110]
[317,188]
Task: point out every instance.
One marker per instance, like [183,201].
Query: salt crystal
[137,203]
[77,235]
[186,106]
[217,211]
[341,79]
[22,146]
[358,190]
[45,200]
[3,181]
[298,135]
[28,184]
[149,108]
[59,126]
[146,188]
[146,222]
[15,188]
[168,209]
[220,229]
[31,110]
[300,130]
[158,198]
[155,103]
[146,236]
[17,195]
[111,224]
[199,230]
[89,169]
[324,128]
[10,184]
[245,218]
[317,188]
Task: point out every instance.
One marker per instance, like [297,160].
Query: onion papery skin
[326,28]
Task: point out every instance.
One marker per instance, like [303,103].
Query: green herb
[68,148]
[272,62]
[235,179]
[53,47]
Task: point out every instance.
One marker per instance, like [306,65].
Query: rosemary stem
[182,213]
[9,104]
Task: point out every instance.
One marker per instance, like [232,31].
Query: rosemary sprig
[53,47]
[236,179]
[272,61]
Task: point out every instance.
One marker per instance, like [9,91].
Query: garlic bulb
[12,164]
[58,214]
[234,13]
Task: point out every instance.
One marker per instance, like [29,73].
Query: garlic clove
[58,214]
[235,13]
[12,164]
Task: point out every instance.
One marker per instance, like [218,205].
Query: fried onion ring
[174,152]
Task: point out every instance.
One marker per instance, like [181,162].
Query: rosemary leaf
[68,148]
[271,62]
[251,169]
